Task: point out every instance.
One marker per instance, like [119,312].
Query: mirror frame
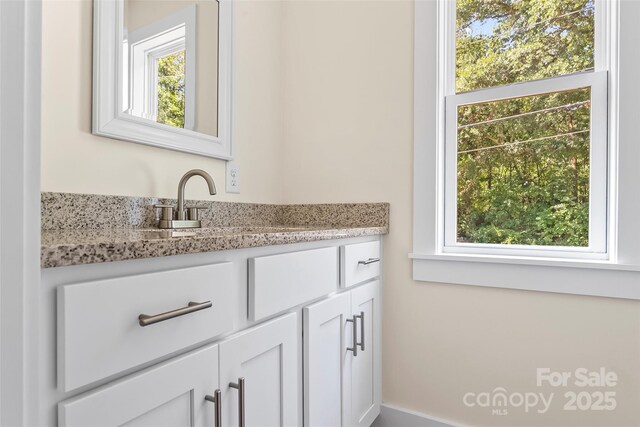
[108,118]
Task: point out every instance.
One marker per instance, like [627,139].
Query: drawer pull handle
[361,343]
[146,320]
[369,261]
[217,401]
[240,387]
[354,335]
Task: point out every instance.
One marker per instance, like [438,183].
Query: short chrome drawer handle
[146,320]
[216,399]
[369,261]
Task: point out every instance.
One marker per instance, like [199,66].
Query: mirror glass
[170,63]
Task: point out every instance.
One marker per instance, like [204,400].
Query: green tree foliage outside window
[171,75]
[523,163]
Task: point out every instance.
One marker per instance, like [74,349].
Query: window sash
[447,42]
[598,206]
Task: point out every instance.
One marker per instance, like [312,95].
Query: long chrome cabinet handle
[361,317]
[354,333]
[217,401]
[240,387]
[146,320]
[369,261]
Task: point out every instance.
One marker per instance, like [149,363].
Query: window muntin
[502,42]
[479,103]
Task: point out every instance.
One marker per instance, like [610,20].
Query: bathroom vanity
[223,326]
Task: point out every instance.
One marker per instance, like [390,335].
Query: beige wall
[324,114]
[348,136]
[74,160]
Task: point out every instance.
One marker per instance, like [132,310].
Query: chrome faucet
[185,216]
[182,214]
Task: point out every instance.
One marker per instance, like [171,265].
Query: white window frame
[612,272]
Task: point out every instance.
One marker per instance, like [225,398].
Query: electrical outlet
[233,177]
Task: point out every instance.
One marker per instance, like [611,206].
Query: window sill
[589,277]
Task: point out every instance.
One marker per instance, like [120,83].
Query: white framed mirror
[162,73]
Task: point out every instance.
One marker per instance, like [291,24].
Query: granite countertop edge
[91,250]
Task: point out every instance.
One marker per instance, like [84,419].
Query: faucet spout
[181,214]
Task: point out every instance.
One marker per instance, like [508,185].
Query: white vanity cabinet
[278,314]
[342,358]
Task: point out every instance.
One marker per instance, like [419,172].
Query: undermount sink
[169,233]
[254,229]
[166,234]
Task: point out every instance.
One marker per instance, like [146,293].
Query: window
[160,61]
[169,71]
[525,151]
[525,129]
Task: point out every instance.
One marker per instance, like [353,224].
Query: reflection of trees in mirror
[523,164]
[171,76]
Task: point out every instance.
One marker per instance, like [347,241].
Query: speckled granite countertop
[72,247]
[85,229]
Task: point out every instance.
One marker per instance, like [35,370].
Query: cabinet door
[366,367]
[266,356]
[171,394]
[327,362]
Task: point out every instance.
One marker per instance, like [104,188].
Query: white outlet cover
[232,177]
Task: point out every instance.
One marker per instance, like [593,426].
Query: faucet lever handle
[166,212]
[192,212]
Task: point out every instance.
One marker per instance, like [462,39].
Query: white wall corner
[20,76]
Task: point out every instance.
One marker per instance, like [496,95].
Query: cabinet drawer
[99,333]
[359,262]
[279,282]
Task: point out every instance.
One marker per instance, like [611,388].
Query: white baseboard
[392,416]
